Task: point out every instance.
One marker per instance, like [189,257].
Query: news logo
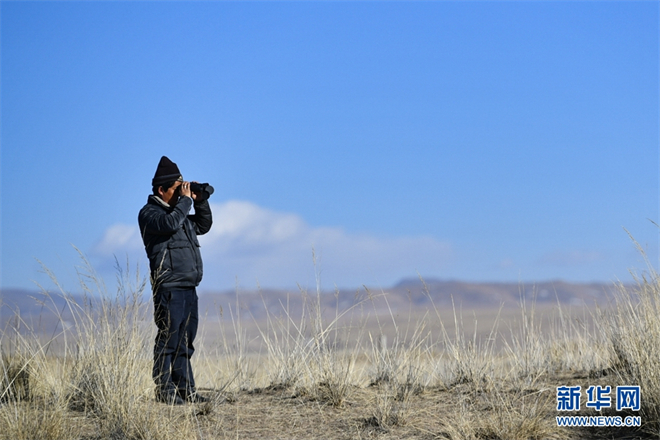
[627,397]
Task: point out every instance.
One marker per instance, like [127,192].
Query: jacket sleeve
[165,223]
[202,219]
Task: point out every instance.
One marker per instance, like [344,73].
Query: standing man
[169,234]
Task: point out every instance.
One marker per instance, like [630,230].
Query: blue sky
[484,141]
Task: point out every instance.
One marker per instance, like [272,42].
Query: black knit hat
[167,171]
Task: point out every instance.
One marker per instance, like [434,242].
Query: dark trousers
[176,316]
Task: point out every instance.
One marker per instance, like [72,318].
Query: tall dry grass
[103,373]
[314,354]
[632,329]
[100,386]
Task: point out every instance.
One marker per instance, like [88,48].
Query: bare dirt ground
[432,413]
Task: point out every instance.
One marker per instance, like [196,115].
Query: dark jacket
[170,239]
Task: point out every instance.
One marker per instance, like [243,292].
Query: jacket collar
[158,201]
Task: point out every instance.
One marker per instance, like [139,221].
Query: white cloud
[119,239]
[275,248]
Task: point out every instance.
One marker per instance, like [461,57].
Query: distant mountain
[32,310]
[415,294]
[407,294]
[28,302]
[495,293]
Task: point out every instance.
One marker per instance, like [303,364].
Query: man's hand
[185,190]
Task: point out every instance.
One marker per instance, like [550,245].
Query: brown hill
[411,294]
[408,294]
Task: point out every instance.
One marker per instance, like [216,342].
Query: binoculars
[202,188]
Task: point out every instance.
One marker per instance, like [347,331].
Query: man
[169,234]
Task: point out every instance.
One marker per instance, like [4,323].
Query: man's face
[171,196]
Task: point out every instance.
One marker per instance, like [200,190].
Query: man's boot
[192,396]
[168,397]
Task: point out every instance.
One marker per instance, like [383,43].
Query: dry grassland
[353,372]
